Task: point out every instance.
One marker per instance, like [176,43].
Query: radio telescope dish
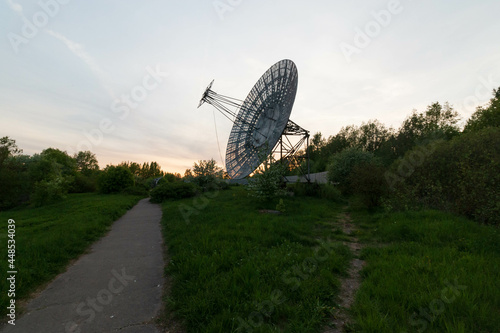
[262,118]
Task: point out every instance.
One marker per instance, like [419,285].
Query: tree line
[429,161]
[50,175]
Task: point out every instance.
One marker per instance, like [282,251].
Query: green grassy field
[234,268]
[428,272]
[49,237]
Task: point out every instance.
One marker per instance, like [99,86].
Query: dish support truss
[288,150]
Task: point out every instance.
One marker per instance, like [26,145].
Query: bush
[368,182]
[305,189]
[138,189]
[488,116]
[49,191]
[15,185]
[222,185]
[206,175]
[177,190]
[268,183]
[342,164]
[115,179]
[83,184]
[325,191]
[461,176]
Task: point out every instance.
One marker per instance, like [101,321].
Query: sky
[123,78]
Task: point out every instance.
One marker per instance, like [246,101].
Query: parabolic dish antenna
[261,119]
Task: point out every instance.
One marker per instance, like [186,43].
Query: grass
[435,272]
[233,268]
[47,238]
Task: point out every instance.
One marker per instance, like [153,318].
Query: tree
[14,184]
[343,164]
[437,122]
[86,162]
[65,163]
[8,148]
[266,183]
[372,135]
[188,174]
[488,116]
[115,179]
[206,174]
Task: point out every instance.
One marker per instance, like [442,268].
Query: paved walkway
[116,287]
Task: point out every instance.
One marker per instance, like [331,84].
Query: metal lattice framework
[262,120]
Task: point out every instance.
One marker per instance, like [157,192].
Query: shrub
[342,164]
[138,189]
[206,175]
[176,190]
[83,184]
[461,176]
[268,183]
[325,191]
[49,191]
[368,182]
[15,184]
[222,185]
[488,116]
[115,179]
[330,192]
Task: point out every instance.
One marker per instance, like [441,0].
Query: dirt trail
[350,284]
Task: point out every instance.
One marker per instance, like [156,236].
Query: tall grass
[435,273]
[233,268]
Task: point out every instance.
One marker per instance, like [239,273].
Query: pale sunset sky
[123,78]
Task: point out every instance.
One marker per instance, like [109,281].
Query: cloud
[78,50]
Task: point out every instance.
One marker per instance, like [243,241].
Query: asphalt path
[115,287]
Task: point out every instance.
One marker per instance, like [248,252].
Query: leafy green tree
[461,175]
[267,181]
[172,191]
[8,148]
[488,116]
[86,162]
[207,174]
[115,179]
[437,122]
[172,177]
[372,135]
[368,182]
[134,167]
[66,163]
[188,174]
[52,173]
[14,184]
[87,172]
[150,170]
[342,165]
